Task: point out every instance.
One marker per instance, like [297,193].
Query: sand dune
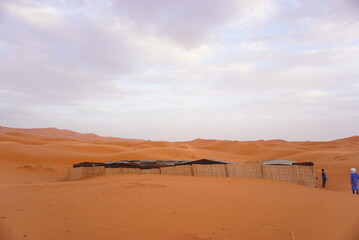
[22,138]
[55,133]
[88,148]
[242,148]
[56,147]
[36,202]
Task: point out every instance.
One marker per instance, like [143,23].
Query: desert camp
[283,170]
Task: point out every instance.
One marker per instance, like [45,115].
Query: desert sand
[37,203]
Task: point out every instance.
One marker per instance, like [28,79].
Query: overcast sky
[181,70]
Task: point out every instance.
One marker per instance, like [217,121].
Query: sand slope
[176,207]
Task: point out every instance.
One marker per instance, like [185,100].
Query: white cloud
[38,15]
[187,23]
[153,66]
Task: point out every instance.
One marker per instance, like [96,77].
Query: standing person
[354,180]
[324,178]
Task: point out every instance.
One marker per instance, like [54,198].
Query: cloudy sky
[181,70]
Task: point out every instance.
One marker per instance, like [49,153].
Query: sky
[181,70]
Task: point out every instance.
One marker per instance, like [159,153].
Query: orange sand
[36,202]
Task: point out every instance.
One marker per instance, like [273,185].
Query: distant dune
[38,204]
[62,134]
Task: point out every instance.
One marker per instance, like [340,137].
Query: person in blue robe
[354,180]
[324,178]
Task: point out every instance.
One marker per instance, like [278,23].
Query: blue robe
[324,176]
[354,180]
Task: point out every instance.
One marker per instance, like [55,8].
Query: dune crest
[56,133]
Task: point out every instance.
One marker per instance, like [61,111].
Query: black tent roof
[205,161]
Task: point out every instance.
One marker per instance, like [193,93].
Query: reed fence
[85,172]
[185,170]
[122,171]
[303,175]
[150,171]
[244,170]
[212,170]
